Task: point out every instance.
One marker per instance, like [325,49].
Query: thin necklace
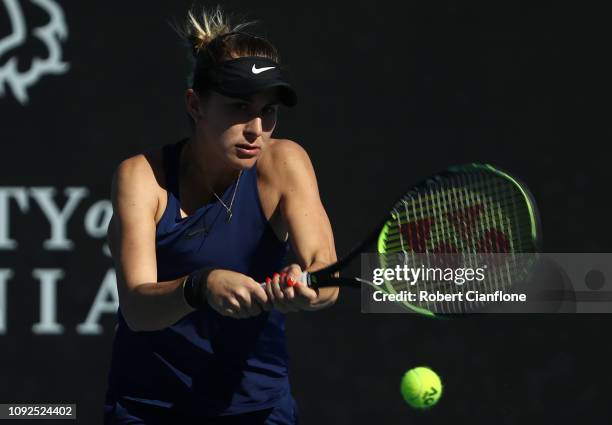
[204,229]
[228,209]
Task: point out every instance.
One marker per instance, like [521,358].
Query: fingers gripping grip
[304,278]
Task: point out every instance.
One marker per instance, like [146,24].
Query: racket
[471,211]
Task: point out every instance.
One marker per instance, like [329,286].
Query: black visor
[246,76]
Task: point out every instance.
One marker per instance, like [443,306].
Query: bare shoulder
[139,178]
[140,169]
[285,149]
[282,157]
[286,170]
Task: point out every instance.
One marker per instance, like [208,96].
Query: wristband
[193,289]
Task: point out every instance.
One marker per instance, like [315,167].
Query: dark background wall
[389,93]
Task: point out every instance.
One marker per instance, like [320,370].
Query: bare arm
[308,224]
[145,303]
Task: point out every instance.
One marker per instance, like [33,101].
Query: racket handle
[304,278]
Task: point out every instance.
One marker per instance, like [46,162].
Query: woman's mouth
[247,150]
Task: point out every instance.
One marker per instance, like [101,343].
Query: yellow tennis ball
[421,387]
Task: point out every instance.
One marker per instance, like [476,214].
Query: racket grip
[304,278]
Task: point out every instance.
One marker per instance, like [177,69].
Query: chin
[243,163]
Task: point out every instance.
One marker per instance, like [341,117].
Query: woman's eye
[269,110]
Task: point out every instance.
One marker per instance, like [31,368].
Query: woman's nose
[254,128]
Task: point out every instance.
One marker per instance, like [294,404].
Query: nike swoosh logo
[256,70]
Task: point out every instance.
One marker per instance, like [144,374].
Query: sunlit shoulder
[284,155]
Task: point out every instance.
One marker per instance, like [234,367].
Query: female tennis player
[197,226]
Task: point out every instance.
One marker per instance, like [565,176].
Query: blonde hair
[210,25]
[213,39]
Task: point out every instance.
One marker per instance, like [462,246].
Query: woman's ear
[193,105]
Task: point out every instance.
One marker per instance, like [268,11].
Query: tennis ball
[421,387]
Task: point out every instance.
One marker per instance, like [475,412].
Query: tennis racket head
[471,209]
[469,214]
[468,208]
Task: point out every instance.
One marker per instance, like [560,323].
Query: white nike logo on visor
[256,70]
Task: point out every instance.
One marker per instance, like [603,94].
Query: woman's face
[236,130]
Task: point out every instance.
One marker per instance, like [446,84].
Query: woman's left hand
[287,294]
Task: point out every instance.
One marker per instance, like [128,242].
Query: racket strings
[455,219]
[466,213]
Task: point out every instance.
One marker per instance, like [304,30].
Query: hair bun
[200,32]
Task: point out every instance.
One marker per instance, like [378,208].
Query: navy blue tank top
[208,364]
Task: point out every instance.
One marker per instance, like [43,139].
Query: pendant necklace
[228,209]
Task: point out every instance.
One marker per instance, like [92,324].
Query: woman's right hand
[234,294]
